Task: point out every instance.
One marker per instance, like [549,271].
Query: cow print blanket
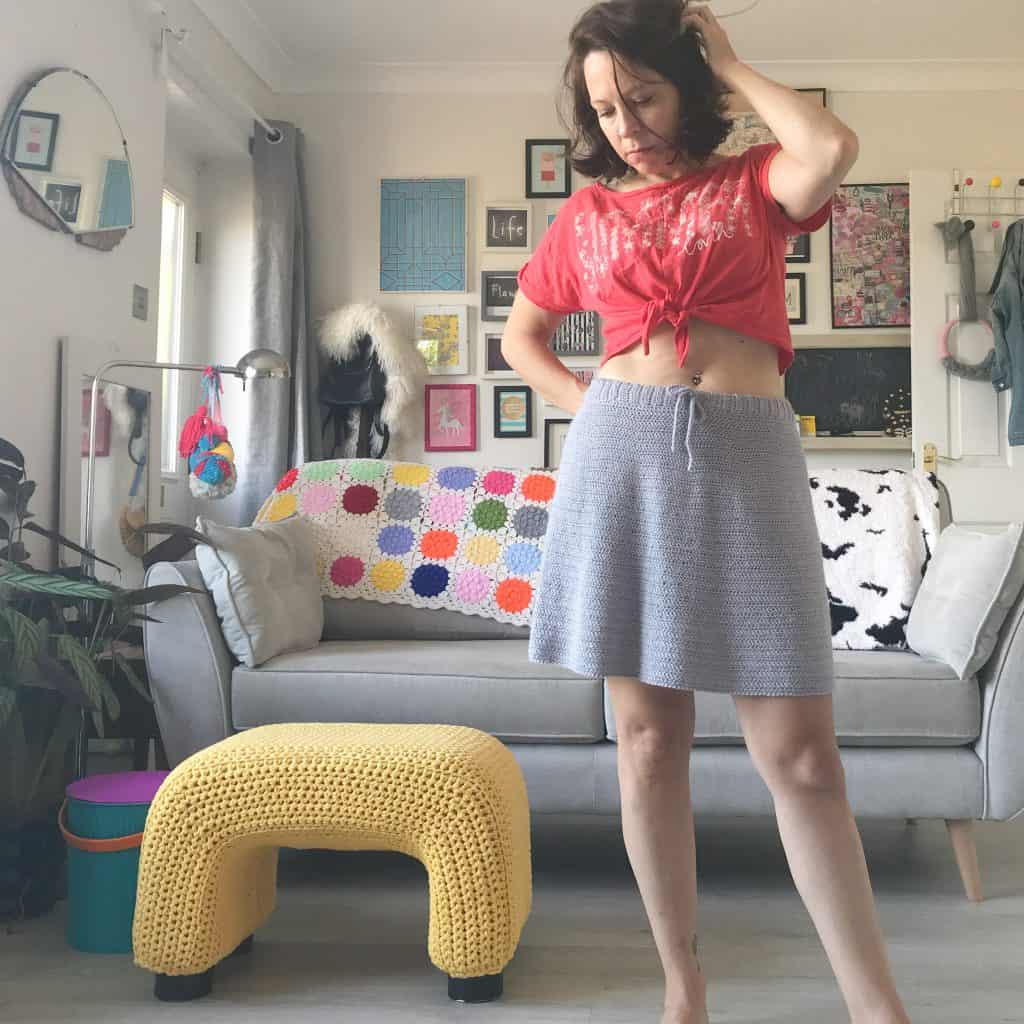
[878,529]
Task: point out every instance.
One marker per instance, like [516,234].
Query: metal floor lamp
[257,364]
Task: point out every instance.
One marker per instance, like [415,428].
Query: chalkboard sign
[846,388]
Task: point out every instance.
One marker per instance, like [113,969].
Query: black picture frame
[562,193]
[801,248]
[507,227]
[802,282]
[500,390]
[548,424]
[27,165]
[501,285]
[65,199]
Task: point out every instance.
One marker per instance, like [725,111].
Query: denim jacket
[1007,293]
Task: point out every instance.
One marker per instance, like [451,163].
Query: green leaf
[97,723]
[51,583]
[84,668]
[25,634]
[132,676]
[11,454]
[61,539]
[154,595]
[59,678]
[8,699]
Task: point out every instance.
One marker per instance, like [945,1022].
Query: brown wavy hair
[641,33]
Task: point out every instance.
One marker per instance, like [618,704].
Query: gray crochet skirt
[682,547]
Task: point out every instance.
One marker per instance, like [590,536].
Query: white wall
[51,286]
[353,141]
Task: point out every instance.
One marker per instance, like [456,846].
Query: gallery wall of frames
[430,227]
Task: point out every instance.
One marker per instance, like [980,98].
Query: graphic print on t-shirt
[674,222]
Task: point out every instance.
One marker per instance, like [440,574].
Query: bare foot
[685,1015]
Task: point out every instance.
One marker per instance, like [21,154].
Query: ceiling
[328,45]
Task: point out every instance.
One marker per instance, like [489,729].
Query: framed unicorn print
[450,418]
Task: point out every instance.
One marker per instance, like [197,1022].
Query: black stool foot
[245,946]
[180,988]
[475,990]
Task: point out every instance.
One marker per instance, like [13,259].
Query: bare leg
[655,733]
[792,743]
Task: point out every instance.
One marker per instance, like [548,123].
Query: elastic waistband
[663,396]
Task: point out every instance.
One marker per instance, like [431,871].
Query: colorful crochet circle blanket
[461,537]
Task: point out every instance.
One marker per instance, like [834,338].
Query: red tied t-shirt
[711,245]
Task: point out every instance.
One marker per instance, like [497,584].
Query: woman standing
[682,552]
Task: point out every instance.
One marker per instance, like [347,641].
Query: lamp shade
[262,362]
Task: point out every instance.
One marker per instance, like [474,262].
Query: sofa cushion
[265,586]
[357,618]
[881,699]
[973,579]
[487,684]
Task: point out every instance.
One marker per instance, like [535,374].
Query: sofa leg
[181,988]
[961,831]
[475,990]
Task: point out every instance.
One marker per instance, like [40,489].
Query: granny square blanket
[471,539]
[459,537]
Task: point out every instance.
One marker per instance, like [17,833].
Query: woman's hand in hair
[718,51]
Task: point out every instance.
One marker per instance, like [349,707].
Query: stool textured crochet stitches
[451,796]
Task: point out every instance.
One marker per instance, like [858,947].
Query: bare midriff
[721,359]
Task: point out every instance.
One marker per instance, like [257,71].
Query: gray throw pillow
[971,581]
[265,586]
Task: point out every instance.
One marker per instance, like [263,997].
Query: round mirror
[66,159]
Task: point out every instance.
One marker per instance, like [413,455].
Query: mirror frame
[28,200]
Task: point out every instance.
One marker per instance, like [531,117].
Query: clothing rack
[991,209]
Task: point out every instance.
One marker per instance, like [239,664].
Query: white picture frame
[442,336]
[506,226]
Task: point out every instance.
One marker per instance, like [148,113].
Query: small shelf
[878,442]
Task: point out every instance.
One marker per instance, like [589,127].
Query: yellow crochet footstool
[451,796]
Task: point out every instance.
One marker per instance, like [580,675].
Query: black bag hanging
[358,382]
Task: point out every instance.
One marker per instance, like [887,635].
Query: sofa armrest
[1001,679]
[188,664]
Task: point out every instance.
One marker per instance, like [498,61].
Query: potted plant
[61,639]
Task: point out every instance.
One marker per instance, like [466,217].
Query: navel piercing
[696,378]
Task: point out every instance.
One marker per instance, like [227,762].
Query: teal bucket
[102,821]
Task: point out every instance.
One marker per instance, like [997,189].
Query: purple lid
[117,787]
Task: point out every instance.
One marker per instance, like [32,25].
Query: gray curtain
[282,417]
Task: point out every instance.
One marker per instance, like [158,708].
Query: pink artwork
[450,418]
[871,256]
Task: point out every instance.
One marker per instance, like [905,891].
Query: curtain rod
[179,36]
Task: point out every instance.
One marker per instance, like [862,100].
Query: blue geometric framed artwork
[423,235]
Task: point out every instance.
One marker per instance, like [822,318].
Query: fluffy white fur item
[403,363]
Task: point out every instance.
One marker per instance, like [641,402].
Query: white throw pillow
[265,586]
[971,581]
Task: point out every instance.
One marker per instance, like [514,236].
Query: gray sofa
[916,742]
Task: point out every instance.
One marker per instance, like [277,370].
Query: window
[169,320]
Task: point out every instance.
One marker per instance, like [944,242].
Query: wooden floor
[347,943]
